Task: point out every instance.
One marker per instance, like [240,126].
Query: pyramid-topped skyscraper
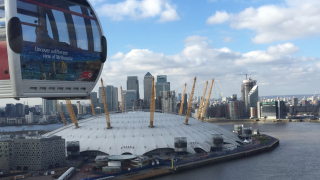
[147,85]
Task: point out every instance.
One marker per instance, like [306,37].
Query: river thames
[297,156]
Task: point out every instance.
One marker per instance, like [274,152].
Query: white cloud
[218,18]
[119,55]
[199,58]
[294,19]
[280,54]
[134,9]
[283,49]
[170,14]
[227,39]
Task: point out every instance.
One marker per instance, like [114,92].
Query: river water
[297,156]
[48,127]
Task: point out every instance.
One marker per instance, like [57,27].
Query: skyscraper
[220,96]
[110,97]
[162,78]
[161,85]
[94,96]
[129,96]
[48,106]
[133,84]
[79,108]
[168,101]
[20,111]
[100,95]
[115,99]
[250,96]
[147,86]
[295,101]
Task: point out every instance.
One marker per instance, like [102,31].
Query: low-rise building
[33,153]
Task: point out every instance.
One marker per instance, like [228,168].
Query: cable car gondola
[53,49]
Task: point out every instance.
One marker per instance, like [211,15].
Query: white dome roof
[131,133]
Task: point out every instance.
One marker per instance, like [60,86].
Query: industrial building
[31,153]
[131,134]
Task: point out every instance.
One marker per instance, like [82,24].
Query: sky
[275,41]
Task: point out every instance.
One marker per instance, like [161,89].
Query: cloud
[119,55]
[292,20]
[227,39]
[135,10]
[199,58]
[169,14]
[218,18]
[280,54]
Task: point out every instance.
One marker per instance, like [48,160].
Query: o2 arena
[131,134]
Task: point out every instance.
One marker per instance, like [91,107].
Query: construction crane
[201,103]
[71,112]
[152,105]
[122,102]
[106,111]
[61,113]
[92,106]
[244,74]
[207,101]
[190,101]
[182,101]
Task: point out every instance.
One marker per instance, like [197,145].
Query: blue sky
[274,40]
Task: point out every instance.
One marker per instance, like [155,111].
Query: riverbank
[225,158]
[260,120]
[237,154]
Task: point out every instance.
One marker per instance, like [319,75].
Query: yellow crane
[201,103]
[190,101]
[105,105]
[71,112]
[182,100]
[122,102]
[207,101]
[61,113]
[152,106]
[92,107]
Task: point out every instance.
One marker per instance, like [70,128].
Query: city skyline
[220,42]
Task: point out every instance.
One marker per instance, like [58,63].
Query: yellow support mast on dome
[152,106]
[72,114]
[61,113]
[105,105]
[92,106]
[182,100]
[190,102]
[201,103]
[207,102]
[122,102]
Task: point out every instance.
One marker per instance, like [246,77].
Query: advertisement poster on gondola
[49,62]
